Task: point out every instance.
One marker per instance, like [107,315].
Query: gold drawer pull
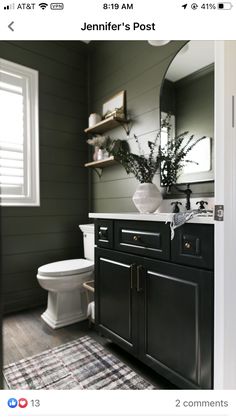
[187,245]
[132,273]
[136,238]
[139,272]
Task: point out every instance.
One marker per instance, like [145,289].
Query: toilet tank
[88,237]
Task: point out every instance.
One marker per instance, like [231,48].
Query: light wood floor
[25,334]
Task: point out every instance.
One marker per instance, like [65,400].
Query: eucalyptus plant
[141,166]
[170,159]
[173,154]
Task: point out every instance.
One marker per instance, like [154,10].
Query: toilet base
[56,324]
[65,308]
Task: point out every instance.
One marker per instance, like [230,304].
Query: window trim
[31,142]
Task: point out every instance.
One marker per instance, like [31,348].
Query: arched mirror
[187,96]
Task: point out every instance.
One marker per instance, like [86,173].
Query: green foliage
[142,167]
[170,159]
[173,154]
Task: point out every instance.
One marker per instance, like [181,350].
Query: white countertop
[164,217]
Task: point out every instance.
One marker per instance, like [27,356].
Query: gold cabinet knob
[187,245]
[136,238]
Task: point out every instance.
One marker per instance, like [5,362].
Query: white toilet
[63,280]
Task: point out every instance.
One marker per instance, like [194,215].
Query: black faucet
[187,192]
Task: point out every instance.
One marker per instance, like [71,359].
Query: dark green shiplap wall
[195,105]
[137,68]
[35,236]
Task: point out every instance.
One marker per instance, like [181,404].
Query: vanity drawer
[143,238]
[104,233]
[193,245]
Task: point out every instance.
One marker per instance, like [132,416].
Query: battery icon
[226,5]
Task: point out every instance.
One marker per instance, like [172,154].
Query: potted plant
[147,196]
[170,159]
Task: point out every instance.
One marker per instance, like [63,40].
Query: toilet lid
[66,267]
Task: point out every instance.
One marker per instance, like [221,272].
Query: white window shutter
[19,147]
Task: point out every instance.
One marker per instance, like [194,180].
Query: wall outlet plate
[219,213]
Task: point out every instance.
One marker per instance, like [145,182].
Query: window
[19,144]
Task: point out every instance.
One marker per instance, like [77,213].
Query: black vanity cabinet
[156,308]
[116,297]
[176,323]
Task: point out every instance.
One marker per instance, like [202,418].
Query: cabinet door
[177,323]
[116,297]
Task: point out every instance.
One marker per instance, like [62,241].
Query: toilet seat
[66,268]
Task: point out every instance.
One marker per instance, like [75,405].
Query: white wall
[225,241]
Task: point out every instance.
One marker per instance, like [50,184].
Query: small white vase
[94,118]
[95,154]
[100,154]
[147,198]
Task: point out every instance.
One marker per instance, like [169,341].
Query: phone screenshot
[117,209]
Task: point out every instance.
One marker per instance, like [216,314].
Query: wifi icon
[43,5]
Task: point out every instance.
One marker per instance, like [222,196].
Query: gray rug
[80,364]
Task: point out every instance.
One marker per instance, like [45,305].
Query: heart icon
[22,403]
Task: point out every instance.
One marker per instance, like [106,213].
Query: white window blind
[19,165]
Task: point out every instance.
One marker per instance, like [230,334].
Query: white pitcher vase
[147,198]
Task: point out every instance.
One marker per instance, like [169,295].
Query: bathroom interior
[86,271]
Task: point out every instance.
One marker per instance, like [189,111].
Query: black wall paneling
[33,236]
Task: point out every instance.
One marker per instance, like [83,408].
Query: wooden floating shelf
[101,163]
[105,125]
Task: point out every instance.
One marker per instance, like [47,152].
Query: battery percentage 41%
[208,6]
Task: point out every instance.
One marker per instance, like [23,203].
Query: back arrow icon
[10,26]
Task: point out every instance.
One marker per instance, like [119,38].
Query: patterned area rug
[80,364]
